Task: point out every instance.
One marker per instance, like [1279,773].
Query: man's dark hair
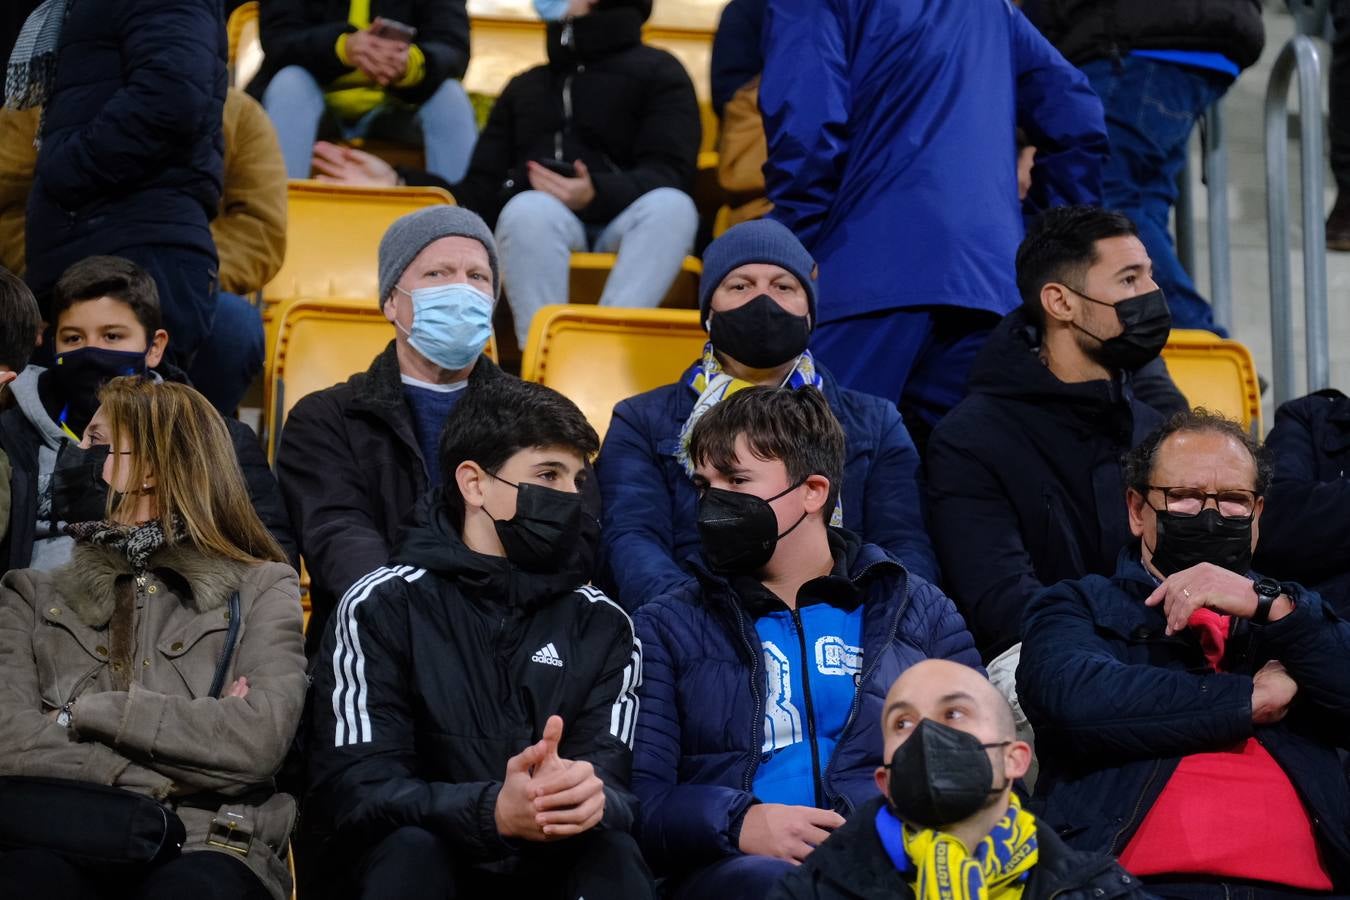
[795,427]
[109,276]
[20,322]
[498,417]
[1061,246]
[1139,462]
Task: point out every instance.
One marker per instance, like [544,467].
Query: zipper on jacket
[756,722]
[810,711]
[566,39]
[567,118]
[1115,849]
[83,683]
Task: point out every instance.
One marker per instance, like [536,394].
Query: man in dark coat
[1307,519]
[945,718]
[1157,67]
[131,156]
[1188,712]
[1024,475]
[355,458]
[761,699]
[344,65]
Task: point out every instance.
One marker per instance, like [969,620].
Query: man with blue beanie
[354,458]
[758,304]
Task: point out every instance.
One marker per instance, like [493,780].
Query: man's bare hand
[786,832]
[575,193]
[347,165]
[1272,692]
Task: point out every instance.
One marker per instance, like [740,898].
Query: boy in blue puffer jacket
[757,732]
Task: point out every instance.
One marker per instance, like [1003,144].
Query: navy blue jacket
[1305,529]
[651,507]
[736,55]
[891,145]
[701,716]
[132,152]
[1116,705]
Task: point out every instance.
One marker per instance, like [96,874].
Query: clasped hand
[545,797]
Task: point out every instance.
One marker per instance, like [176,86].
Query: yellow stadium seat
[599,355]
[589,271]
[1215,373]
[245,44]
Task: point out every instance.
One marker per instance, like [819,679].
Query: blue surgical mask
[451,325]
[551,10]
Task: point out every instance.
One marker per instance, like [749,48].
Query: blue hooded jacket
[651,507]
[701,702]
[891,145]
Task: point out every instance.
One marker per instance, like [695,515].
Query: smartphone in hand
[558,167]
[392,30]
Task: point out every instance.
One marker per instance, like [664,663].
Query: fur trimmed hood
[88,582]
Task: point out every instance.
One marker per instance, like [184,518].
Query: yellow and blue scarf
[997,869]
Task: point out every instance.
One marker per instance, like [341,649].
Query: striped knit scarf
[32,64]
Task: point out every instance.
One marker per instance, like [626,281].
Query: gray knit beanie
[756,241]
[410,235]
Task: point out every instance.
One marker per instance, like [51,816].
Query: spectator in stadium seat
[595,150]
[106,323]
[482,744]
[130,160]
[337,63]
[891,155]
[20,326]
[108,663]
[759,305]
[249,234]
[355,458]
[1306,533]
[759,725]
[1024,478]
[1188,713]
[1156,67]
[948,814]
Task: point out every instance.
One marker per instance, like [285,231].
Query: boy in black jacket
[474,705]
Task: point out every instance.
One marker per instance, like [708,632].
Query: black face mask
[79,374]
[79,493]
[1185,541]
[739,531]
[940,776]
[545,530]
[760,334]
[1145,321]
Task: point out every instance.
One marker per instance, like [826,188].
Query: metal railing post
[1185,217]
[1220,252]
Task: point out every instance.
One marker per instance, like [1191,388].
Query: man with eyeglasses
[1188,711]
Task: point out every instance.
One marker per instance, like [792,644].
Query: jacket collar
[88,583]
[379,390]
[600,33]
[1336,439]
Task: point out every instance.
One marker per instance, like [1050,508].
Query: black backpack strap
[231,638]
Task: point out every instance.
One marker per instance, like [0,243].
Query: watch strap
[1267,589]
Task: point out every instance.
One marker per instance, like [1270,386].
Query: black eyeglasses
[1185,501]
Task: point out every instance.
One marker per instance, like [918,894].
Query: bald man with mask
[947,823]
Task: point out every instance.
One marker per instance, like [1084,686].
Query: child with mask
[474,703]
[758,733]
[106,323]
[758,302]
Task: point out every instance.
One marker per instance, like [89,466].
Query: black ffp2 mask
[940,775]
[759,333]
[79,493]
[1145,323]
[1185,541]
[545,530]
[78,374]
[739,531]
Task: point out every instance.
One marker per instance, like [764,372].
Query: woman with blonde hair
[165,660]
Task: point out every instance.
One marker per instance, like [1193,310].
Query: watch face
[1268,587]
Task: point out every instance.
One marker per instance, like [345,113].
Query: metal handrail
[1298,56]
[1214,174]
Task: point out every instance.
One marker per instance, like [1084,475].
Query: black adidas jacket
[437,670]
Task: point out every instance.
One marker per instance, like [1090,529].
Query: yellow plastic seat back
[1215,373]
[245,44]
[590,270]
[598,355]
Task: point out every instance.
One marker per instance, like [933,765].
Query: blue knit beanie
[757,241]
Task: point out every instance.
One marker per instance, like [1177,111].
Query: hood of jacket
[614,25]
[89,580]
[28,400]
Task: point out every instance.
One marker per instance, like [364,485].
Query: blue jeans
[295,103]
[228,360]
[1151,108]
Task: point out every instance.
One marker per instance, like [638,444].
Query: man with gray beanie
[355,458]
[758,304]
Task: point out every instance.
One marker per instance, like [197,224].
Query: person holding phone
[369,68]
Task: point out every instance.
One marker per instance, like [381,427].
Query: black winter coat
[132,153]
[852,864]
[351,470]
[627,110]
[1024,482]
[1116,704]
[305,33]
[1084,30]
[447,665]
[1305,529]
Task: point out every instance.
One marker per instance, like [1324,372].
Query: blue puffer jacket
[701,714]
[651,507]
